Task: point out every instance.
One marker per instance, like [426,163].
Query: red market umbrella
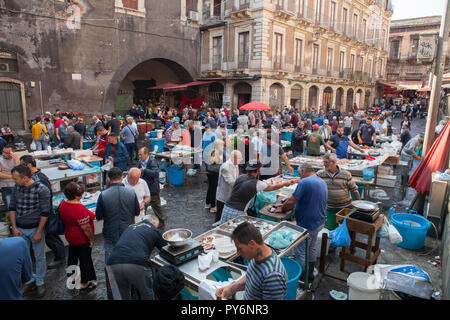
[255,106]
[435,160]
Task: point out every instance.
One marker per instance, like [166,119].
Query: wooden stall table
[356,226]
[272,216]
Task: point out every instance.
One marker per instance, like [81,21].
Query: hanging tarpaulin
[435,160]
[196,102]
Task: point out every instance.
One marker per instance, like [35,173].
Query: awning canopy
[169,87]
[410,85]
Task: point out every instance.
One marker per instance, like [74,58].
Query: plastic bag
[75,164]
[340,236]
[263,198]
[384,230]
[33,146]
[191,172]
[394,235]
[108,166]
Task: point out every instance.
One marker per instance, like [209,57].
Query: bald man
[133,180]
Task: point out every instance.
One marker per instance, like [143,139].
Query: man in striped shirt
[266,277]
[340,183]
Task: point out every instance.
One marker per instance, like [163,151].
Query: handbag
[55,225]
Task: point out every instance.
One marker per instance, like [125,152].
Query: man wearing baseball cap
[314,141]
[245,188]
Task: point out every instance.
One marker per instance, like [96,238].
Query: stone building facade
[304,53]
[403,68]
[89,55]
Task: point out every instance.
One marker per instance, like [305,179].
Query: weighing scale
[179,255]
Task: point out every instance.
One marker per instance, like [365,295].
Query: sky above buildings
[404,9]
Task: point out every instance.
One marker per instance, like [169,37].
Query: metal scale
[179,255]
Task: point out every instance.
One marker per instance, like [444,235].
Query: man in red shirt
[99,148]
[58,121]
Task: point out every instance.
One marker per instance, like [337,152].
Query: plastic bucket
[293,270]
[368,174]
[153,134]
[159,133]
[157,142]
[229,126]
[176,176]
[413,229]
[360,286]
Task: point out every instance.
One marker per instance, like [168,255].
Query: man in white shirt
[228,173]
[380,126]
[348,124]
[140,187]
[325,130]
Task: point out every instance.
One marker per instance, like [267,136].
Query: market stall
[189,257]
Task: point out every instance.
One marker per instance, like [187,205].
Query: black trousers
[82,253]
[212,188]
[220,206]
[54,242]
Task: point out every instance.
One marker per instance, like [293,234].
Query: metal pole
[433,109]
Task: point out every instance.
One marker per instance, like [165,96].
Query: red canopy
[435,160]
[255,106]
[169,87]
[163,86]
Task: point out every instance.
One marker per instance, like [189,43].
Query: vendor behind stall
[309,201]
[366,134]
[340,143]
[130,258]
[244,189]
[340,183]
[116,152]
[266,277]
[314,141]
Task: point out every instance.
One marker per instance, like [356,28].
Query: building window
[244,46]
[299,53]
[191,5]
[244,4]
[361,64]
[332,15]
[364,27]
[341,62]
[344,20]
[217,53]
[279,4]
[369,68]
[278,50]
[315,61]
[318,11]
[414,47]
[130,4]
[383,45]
[329,61]
[395,45]
[217,8]
[355,24]
[352,63]
[300,8]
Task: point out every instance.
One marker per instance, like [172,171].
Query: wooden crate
[359,225]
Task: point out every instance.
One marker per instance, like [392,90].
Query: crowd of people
[234,178]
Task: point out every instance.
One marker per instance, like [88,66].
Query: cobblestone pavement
[185,208]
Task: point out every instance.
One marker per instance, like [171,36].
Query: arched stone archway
[276,95]
[242,93]
[313,97]
[297,96]
[173,60]
[350,94]
[327,102]
[134,86]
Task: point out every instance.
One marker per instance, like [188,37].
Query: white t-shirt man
[141,189]
[348,121]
